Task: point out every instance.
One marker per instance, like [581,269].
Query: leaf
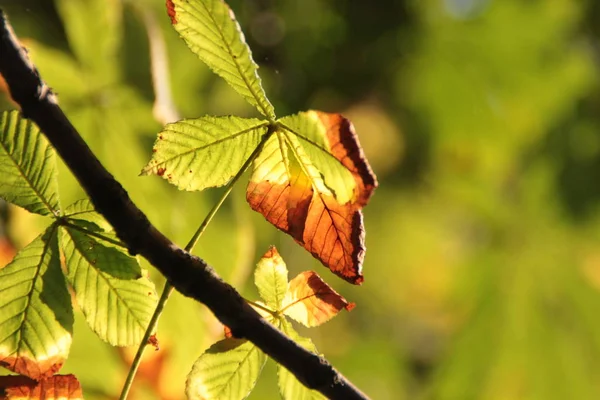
[227,370]
[115,298]
[195,154]
[57,387]
[314,146]
[36,317]
[270,277]
[210,30]
[27,166]
[326,137]
[83,210]
[311,301]
[93,32]
[296,192]
[289,387]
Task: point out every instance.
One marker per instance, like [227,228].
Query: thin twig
[189,274]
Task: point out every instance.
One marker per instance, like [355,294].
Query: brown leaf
[37,369]
[291,197]
[346,148]
[311,301]
[63,387]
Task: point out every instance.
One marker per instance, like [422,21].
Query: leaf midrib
[312,182]
[38,267]
[29,182]
[106,280]
[242,362]
[237,64]
[216,142]
[324,150]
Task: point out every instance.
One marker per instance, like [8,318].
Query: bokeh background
[481,119]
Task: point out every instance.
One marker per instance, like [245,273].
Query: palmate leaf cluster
[230,368]
[110,288]
[311,163]
[309,178]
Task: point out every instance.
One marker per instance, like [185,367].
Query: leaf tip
[271,252]
[171,11]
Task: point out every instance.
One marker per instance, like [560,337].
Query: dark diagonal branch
[188,274]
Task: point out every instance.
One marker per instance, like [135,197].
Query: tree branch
[187,273]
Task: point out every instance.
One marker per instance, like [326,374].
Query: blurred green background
[481,119]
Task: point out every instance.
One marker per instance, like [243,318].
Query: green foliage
[271,280]
[35,310]
[313,151]
[36,306]
[482,270]
[93,28]
[210,30]
[227,370]
[204,152]
[230,368]
[289,183]
[27,165]
[110,289]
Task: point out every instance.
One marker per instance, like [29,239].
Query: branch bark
[189,274]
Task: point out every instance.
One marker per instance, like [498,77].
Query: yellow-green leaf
[83,210]
[27,166]
[210,30]
[228,370]
[93,29]
[115,297]
[36,317]
[313,147]
[195,154]
[270,278]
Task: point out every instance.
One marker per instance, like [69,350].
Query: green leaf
[27,166]
[115,298]
[270,277]
[313,150]
[205,152]
[36,316]
[83,210]
[93,31]
[289,387]
[227,370]
[210,30]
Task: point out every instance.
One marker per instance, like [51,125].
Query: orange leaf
[287,189]
[310,301]
[63,387]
